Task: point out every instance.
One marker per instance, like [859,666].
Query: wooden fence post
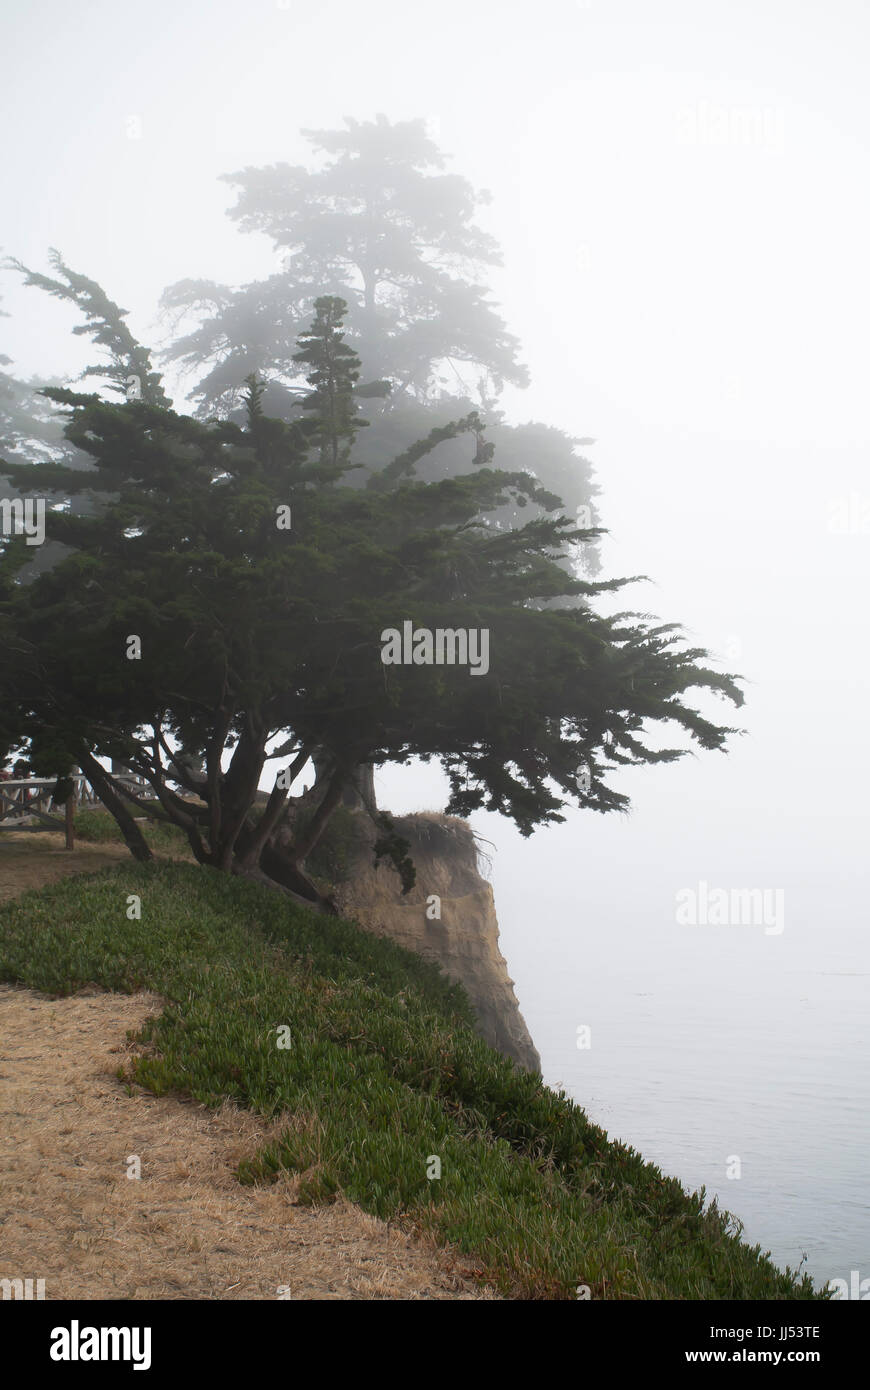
[69,824]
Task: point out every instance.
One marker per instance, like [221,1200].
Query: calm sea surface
[747,1049]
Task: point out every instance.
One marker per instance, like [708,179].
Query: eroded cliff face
[465,939]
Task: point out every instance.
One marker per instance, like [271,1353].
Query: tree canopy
[232,600]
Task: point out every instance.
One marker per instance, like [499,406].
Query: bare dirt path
[186,1228]
[33,859]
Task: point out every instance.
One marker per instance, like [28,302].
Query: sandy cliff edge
[465,941]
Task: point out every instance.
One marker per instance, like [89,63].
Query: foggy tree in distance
[380,224]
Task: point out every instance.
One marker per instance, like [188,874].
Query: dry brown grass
[186,1229]
[30,859]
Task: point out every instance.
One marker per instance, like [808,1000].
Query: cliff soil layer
[464,939]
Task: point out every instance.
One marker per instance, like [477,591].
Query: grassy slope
[383,1072]
[99,828]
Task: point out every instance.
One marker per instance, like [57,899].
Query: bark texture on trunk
[361,791]
[135,840]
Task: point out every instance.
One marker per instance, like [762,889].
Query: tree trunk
[276,868]
[238,794]
[316,826]
[284,879]
[101,782]
[360,791]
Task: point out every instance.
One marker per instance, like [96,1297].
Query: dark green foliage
[249,631]
[129,366]
[333,372]
[393,847]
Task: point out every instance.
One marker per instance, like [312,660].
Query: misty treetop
[379,223]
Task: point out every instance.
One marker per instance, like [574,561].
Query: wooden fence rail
[27,799]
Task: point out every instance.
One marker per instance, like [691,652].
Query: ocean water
[739,1053]
[710,1044]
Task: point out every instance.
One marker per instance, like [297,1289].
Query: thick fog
[681,195]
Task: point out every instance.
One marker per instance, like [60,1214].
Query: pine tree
[333,374]
[257,594]
[128,368]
